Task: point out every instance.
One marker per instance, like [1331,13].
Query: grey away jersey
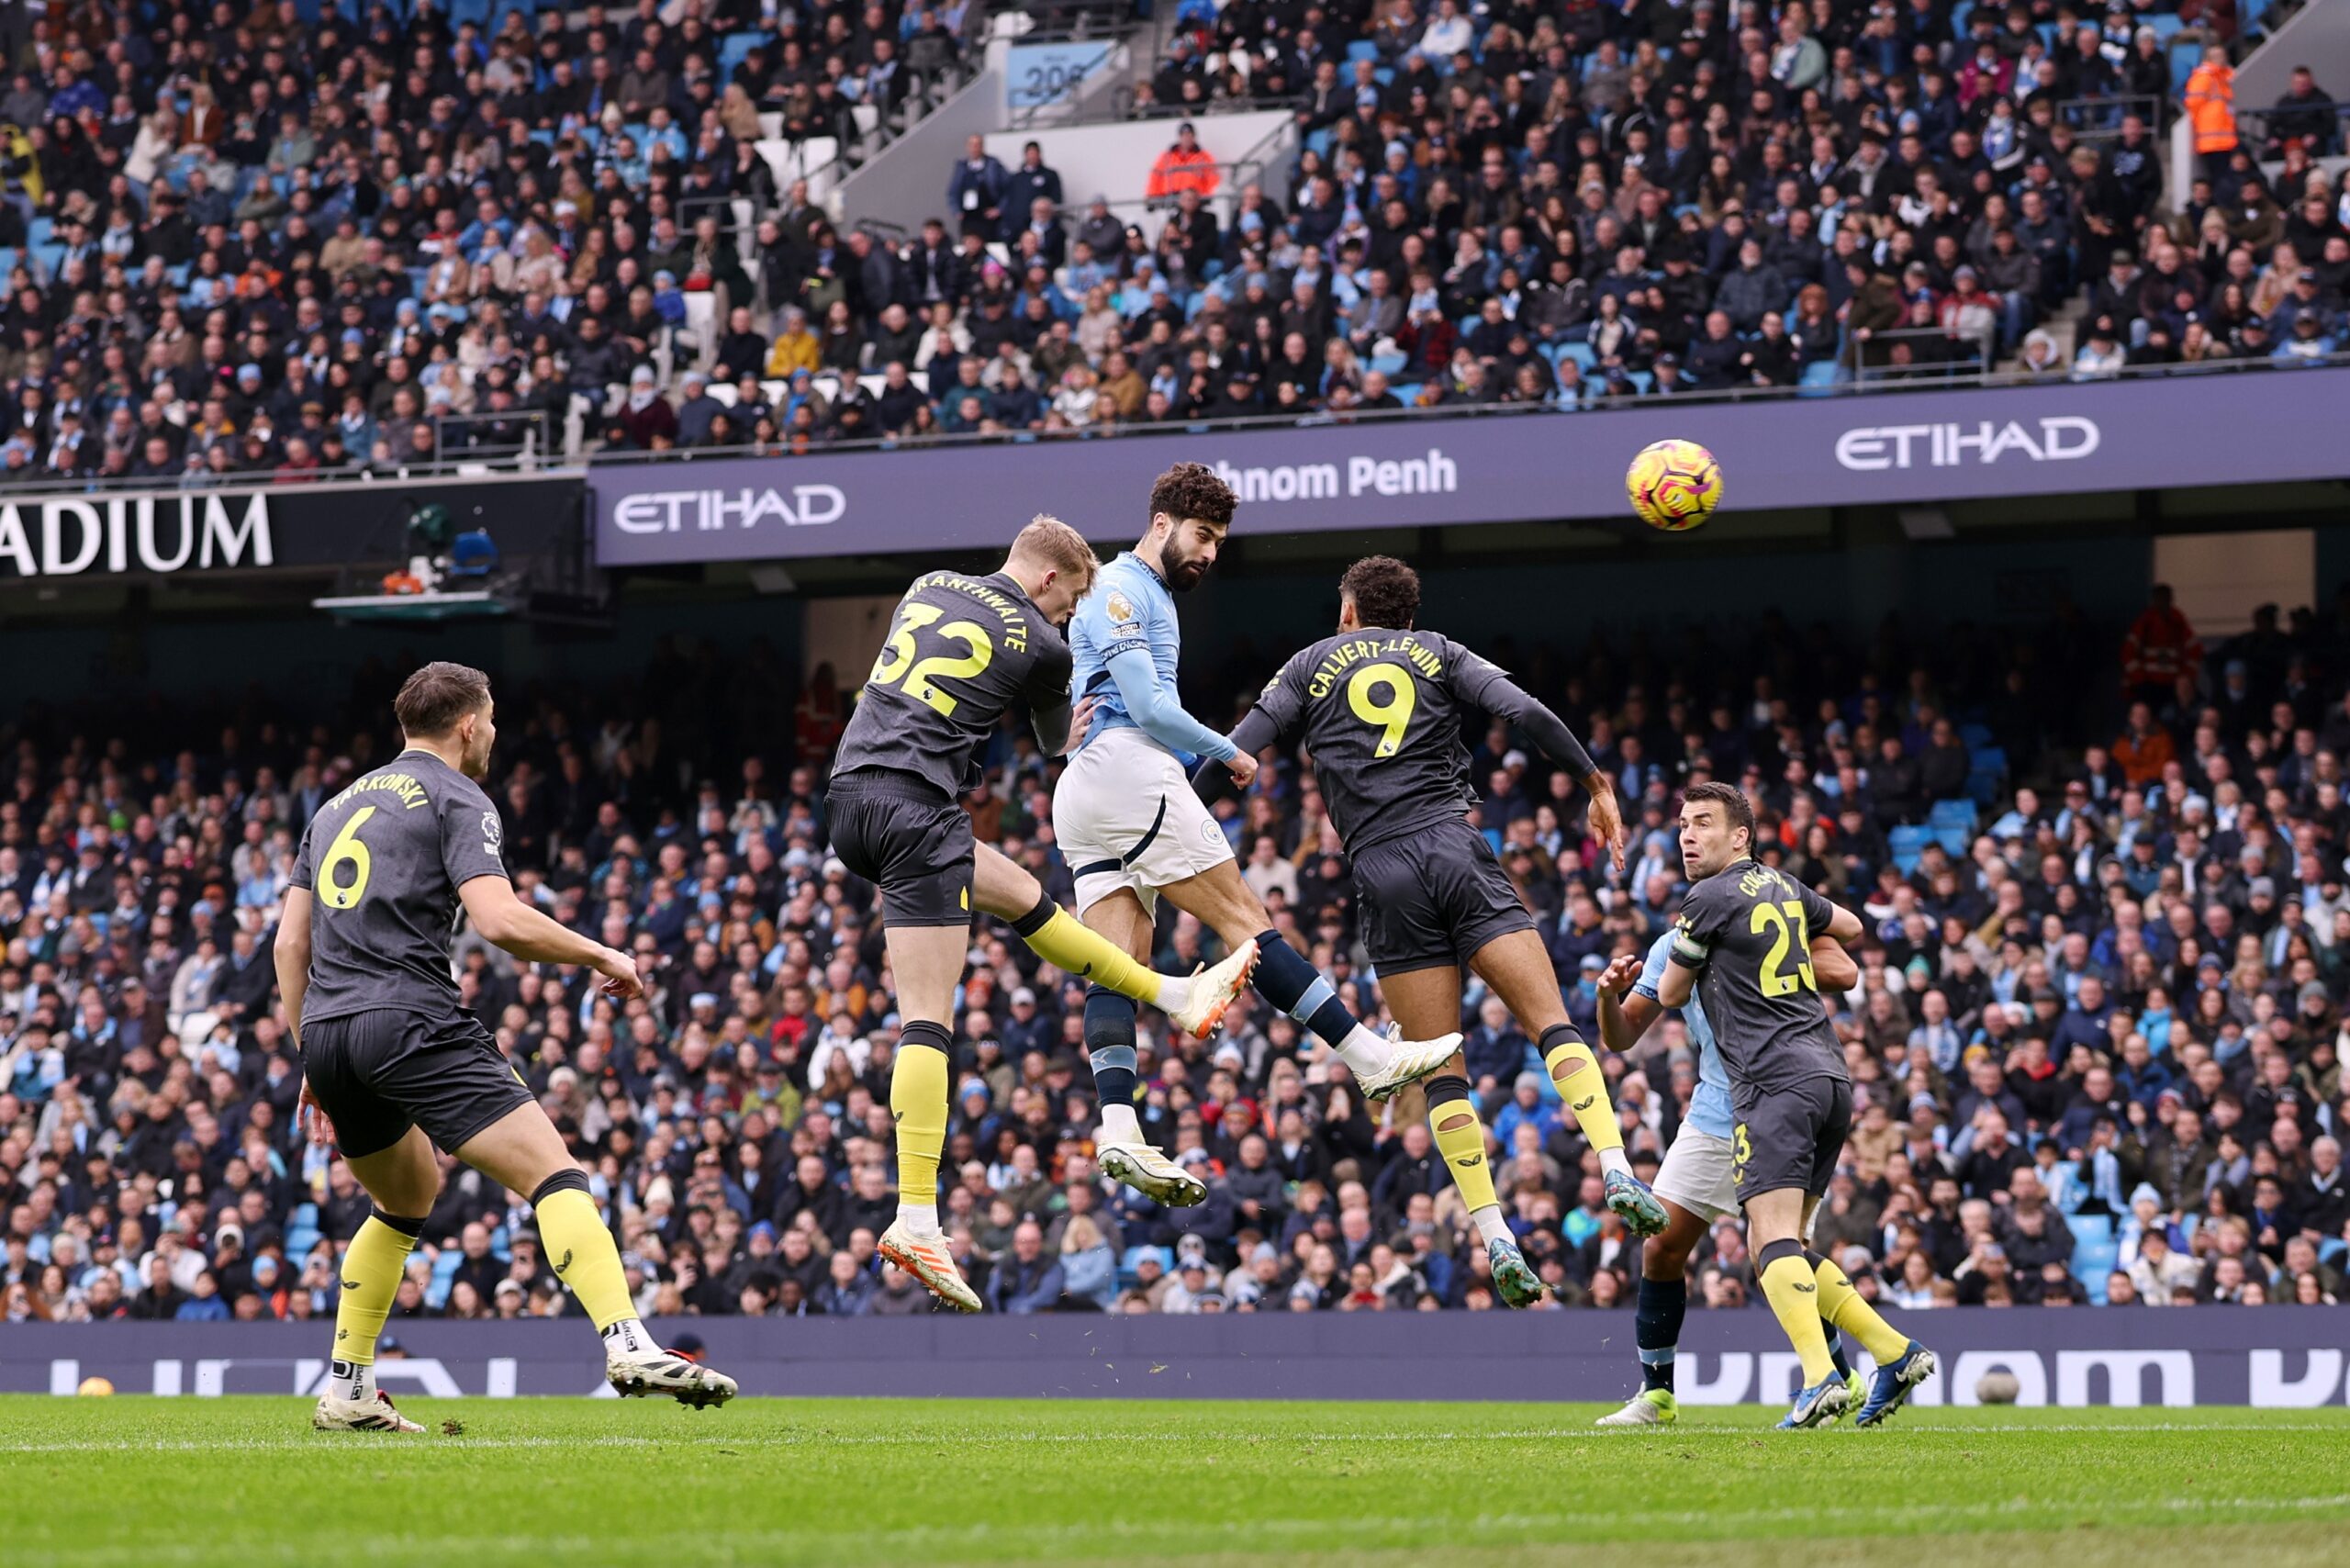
[961,651]
[383,861]
[1380,711]
[1747,930]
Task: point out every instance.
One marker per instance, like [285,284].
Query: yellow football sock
[918,1102]
[371,1271]
[1460,1139]
[1793,1293]
[1582,1086]
[1066,943]
[1849,1310]
[573,1238]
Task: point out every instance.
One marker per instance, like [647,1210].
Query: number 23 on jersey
[899,662]
[1789,933]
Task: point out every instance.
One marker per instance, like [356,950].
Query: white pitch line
[305,1441]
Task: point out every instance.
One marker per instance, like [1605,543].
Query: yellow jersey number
[1789,933]
[342,874]
[898,662]
[1395,714]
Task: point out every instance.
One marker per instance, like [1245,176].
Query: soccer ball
[1997,1386]
[1674,485]
[95,1388]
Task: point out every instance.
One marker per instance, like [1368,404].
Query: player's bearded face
[477,746]
[1190,551]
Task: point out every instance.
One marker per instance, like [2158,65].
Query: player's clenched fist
[620,981]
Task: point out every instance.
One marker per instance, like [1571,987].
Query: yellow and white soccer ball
[1674,485]
[95,1388]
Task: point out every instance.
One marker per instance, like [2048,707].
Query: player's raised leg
[1519,970]
[1193,1004]
[522,1151]
[926,962]
[1424,1002]
[1219,900]
[402,1180]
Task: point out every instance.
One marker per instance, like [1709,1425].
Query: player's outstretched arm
[1158,713]
[1483,683]
[503,919]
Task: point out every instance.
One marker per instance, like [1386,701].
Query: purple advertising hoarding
[1905,448]
[2274,1357]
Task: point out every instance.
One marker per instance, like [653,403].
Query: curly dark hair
[1191,492]
[1385,591]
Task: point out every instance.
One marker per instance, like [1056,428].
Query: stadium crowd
[284,242]
[2096,1043]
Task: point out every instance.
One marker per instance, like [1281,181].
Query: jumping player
[1743,945]
[1134,831]
[394,1065]
[1379,707]
[1695,1182]
[962,650]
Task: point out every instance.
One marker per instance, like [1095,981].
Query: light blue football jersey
[1709,1108]
[1129,606]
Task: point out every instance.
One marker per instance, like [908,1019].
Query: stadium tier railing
[475,463]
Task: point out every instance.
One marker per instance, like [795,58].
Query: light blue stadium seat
[445,1274]
[1959,814]
[1908,844]
[1318,142]
[2249,13]
[1389,365]
[1976,736]
[1361,48]
[1819,377]
[1582,354]
[1406,393]
[2184,59]
[7,260]
[2166,25]
[1959,14]
[300,1239]
[737,49]
[1129,1264]
[48,259]
[2092,1262]
[1641,381]
[2090,1228]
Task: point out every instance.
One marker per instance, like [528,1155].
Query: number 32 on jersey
[898,662]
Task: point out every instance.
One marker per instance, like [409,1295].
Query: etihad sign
[2060,437]
[673,511]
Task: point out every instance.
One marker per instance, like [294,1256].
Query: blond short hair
[1050,541]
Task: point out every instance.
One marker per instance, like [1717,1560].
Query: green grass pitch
[150,1484]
